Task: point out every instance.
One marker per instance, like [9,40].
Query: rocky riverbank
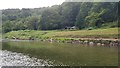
[86,41]
[8,58]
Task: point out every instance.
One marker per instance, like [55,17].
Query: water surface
[66,54]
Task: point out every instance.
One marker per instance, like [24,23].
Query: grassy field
[96,33]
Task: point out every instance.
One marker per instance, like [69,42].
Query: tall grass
[96,33]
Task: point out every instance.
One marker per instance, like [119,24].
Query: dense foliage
[68,14]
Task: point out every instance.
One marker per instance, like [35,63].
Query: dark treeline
[80,14]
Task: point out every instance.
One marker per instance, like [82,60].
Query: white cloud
[4,4]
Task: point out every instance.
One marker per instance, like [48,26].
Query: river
[20,53]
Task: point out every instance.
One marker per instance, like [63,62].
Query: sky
[5,4]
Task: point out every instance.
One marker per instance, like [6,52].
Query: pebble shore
[8,58]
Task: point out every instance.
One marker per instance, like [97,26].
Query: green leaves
[69,14]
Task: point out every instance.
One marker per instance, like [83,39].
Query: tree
[84,10]
[51,19]
[7,26]
[94,19]
[69,13]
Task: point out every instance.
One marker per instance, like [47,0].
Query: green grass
[96,33]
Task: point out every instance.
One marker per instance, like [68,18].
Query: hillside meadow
[38,34]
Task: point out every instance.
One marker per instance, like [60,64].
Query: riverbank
[18,59]
[84,41]
[108,36]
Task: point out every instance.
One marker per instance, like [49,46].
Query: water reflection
[67,54]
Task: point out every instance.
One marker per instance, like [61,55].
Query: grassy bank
[32,34]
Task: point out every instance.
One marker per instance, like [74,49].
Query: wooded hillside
[80,14]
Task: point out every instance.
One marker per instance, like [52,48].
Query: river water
[57,53]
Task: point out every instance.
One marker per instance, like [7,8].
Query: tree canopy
[68,14]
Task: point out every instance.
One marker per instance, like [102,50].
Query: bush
[90,28]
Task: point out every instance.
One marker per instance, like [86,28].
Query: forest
[82,15]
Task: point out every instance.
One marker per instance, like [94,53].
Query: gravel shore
[8,58]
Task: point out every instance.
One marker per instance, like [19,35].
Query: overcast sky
[5,4]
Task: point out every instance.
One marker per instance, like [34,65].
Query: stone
[18,59]
[91,43]
[98,44]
